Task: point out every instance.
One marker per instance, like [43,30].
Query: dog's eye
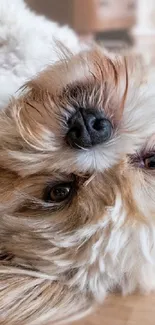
[149,162]
[58,193]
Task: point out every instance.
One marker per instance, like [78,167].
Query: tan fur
[46,252]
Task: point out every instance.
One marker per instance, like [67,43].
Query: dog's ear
[34,299]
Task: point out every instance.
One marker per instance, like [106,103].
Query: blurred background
[117,24]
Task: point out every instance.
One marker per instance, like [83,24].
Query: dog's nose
[87,128]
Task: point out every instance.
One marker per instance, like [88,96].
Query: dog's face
[76,160]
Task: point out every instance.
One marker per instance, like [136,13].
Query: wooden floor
[133,310]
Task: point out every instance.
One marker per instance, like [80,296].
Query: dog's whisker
[89,180]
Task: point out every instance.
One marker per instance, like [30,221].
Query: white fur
[124,260]
[27,45]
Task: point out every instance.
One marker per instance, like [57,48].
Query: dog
[77,168]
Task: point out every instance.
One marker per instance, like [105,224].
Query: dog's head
[76,160]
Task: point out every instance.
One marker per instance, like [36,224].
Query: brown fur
[45,248]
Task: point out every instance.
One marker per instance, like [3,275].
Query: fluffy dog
[77,168]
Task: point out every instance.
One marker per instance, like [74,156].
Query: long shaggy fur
[57,260]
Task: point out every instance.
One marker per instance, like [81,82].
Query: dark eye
[149,162]
[58,193]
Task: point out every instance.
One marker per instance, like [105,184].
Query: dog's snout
[88,128]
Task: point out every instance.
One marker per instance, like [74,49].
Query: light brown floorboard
[133,310]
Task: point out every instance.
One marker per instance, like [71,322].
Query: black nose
[87,128]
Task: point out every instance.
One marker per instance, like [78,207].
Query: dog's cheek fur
[48,262]
[44,261]
[56,265]
[33,299]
